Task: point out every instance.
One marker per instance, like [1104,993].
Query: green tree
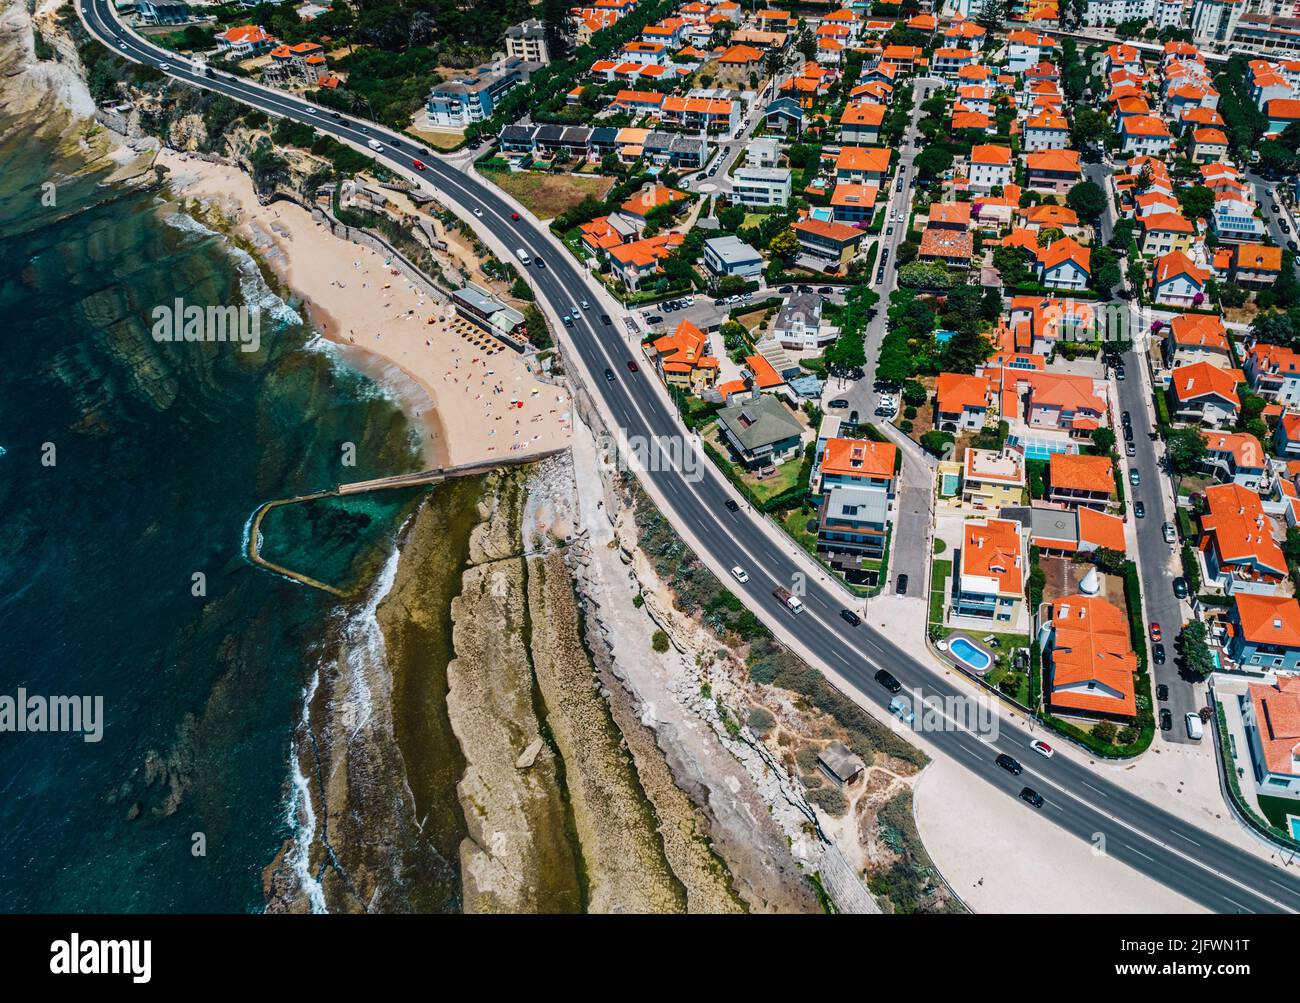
[1196,650]
[1087,199]
[1185,450]
[1103,440]
[1197,201]
[785,246]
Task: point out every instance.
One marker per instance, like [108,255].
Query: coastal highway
[1207,869]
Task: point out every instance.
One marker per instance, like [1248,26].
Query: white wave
[302,814]
[363,641]
[252,286]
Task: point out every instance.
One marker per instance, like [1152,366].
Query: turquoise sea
[161,452]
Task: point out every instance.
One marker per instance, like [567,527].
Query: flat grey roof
[759,423]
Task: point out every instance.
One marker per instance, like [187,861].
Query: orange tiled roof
[1093,662]
[1277,716]
[991,548]
[956,392]
[1199,329]
[1244,447]
[1269,619]
[859,458]
[988,154]
[1077,472]
[1237,526]
[764,375]
[1202,378]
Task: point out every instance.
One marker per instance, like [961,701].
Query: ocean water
[160,453]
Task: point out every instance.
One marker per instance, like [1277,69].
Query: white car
[1042,748]
[478,212]
[586,305]
[740,574]
[164,66]
[311,111]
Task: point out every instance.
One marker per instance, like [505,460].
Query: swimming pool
[951,482]
[1040,449]
[1294,822]
[969,655]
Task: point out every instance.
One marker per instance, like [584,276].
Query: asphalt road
[1202,866]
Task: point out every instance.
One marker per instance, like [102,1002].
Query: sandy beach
[476,398]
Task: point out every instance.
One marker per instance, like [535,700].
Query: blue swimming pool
[969,654]
[1040,449]
[1294,822]
[951,484]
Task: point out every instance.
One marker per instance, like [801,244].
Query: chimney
[1277,623]
[1190,381]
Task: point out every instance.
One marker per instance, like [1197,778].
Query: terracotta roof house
[951,247]
[1197,337]
[1273,372]
[1053,170]
[1076,480]
[1064,264]
[1266,632]
[961,402]
[1237,457]
[1270,717]
[990,579]
[1255,266]
[862,164]
[1237,542]
[1088,659]
[1176,281]
[861,122]
[683,360]
[828,241]
[1205,394]
[990,167]
[853,203]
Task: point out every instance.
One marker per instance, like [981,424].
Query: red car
[1155,631]
[515,216]
[632,366]
[418,165]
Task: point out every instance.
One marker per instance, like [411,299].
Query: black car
[901,587]
[731,505]
[849,617]
[568,321]
[540,262]
[1139,510]
[786,289]
[1128,433]
[609,376]
[1010,765]
[1032,796]
[1127,419]
[655,319]
[838,402]
[1166,719]
[336,116]
[1291,245]
[1162,692]
[824,290]
[887,680]
[604,319]
[1180,587]
[1159,653]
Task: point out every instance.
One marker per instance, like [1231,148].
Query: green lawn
[940,571]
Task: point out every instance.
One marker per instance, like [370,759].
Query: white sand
[482,406]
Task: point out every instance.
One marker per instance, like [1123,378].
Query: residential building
[1088,659]
[860,123]
[1064,264]
[1197,337]
[472,97]
[1255,266]
[862,164]
[1176,281]
[990,579]
[992,480]
[761,186]
[244,41]
[729,255]
[855,480]
[961,402]
[527,41]
[1075,480]
[1048,130]
[761,431]
[1163,232]
[683,359]
[834,243]
[1205,394]
[1273,372]
[1144,134]
[1270,716]
[798,323]
[1236,457]
[1237,542]
[990,167]
[1265,633]
[1053,170]
[853,203]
